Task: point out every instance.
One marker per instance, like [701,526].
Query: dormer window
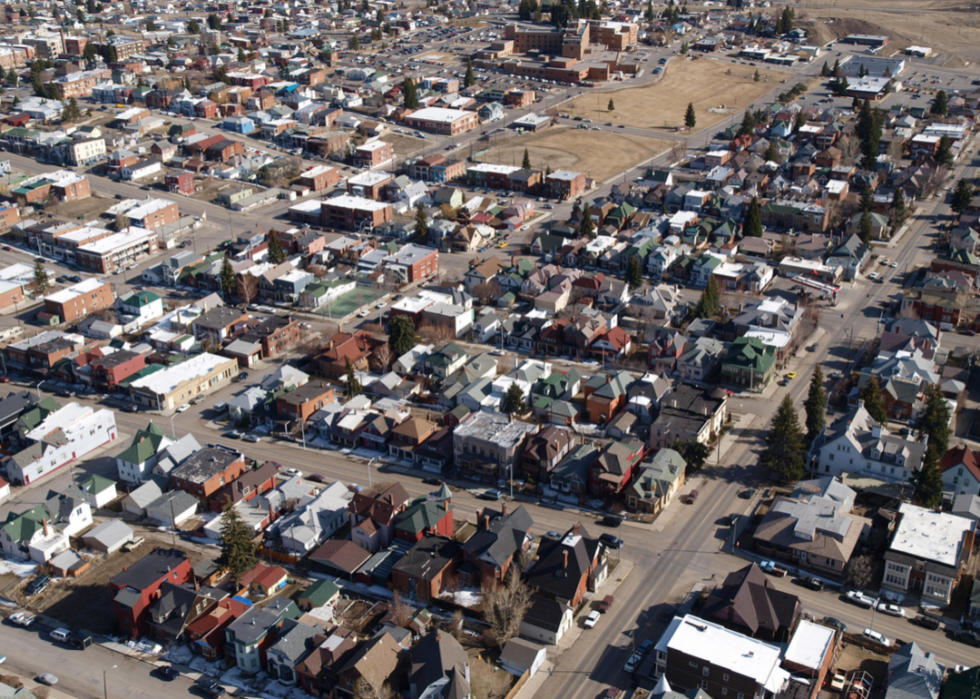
[875,454]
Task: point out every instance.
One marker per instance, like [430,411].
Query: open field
[705,83]
[599,154]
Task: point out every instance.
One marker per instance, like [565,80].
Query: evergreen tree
[866,228]
[151,26]
[401,335]
[940,105]
[710,302]
[753,220]
[193,27]
[898,209]
[469,79]
[634,274]
[41,281]
[690,119]
[865,121]
[276,254]
[867,201]
[71,112]
[825,70]
[229,282]
[785,451]
[748,124]
[354,43]
[513,402]
[771,154]
[587,228]
[241,55]
[962,196]
[929,479]
[213,22]
[610,107]
[237,546]
[684,48]
[871,395]
[815,406]
[841,86]
[90,52]
[524,11]
[410,97]
[421,224]
[934,421]
[526,163]
[353,387]
[944,156]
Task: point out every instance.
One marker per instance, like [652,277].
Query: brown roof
[965,456]
[345,555]
[415,428]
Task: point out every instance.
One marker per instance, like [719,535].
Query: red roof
[962,456]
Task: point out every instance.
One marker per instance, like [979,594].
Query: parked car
[971,638]
[811,582]
[48,679]
[130,408]
[606,604]
[592,619]
[133,543]
[432,481]
[24,619]
[926,622]
[890,609]
[169,672]
[252,438]
[183,408]
[611,541]
[875,636]
[490,495]
[835,623]
[210,687]
[692,497]
[233,434]
[860,599]
[774,568]
[633,661]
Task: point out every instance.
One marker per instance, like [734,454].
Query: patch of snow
[324,613]
[276,690]
[236,678]
[466,597]
[21,569]
[179,654]
[211,669]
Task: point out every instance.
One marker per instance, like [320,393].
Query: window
[704,671]
[725,677]
[704,684]
[692,663]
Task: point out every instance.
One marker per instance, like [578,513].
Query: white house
[63,436]
[961,472]
[142,306]
[143,168]
[546,620]
[856,444]
[316,519]
[520,656]
[31,535]
[136,462]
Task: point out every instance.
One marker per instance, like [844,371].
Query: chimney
[608,378]
[564,563]
[503,509]
[577,528]
[486,521]
[47,532]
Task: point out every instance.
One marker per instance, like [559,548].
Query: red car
[4,379]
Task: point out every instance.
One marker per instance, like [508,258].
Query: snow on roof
[148,207]
[929,535]
[347,201]
[811,643]
[131,236]
[165,381]
[440,114]
[76,290]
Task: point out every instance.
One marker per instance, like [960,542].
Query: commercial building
[67,434]
[374,154]
[79,300]
[413,263]
[320,177]
[169,388]
[928,553]
[350,213]
[64,185]
[565,184]
[153,214]
[442,120]
[86,152]
[118,250]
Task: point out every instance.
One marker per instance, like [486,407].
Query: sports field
[350,302]
[706,83]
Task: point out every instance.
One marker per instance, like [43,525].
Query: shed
[320,593]
[173,508]
[108,537]
[520,656]
[138,499]
[100,491]
[68,564]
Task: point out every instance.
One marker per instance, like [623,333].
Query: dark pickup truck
[971,638]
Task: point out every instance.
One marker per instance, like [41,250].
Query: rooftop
[930,535]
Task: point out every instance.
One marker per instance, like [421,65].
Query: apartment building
[170,388]
[153,214]
[350,213]
[443,121]
[79,300]
[118,250]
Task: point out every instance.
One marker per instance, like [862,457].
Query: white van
[60,635]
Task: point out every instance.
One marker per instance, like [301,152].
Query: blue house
[238,124]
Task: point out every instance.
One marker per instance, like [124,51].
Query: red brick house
[426,518]
[302,402]
[498,539]
[207,632]
[606,395]
[615,467]
[379,509]
[248,486]
[207,471]
[109,371]
[356,347]
[138,586]
[426,570]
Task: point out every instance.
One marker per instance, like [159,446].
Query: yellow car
[502,245]
[791,375]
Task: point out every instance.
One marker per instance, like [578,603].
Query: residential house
[138,586]
[544,451]
[748,602]
[569,567]
[498,539]
[657,482]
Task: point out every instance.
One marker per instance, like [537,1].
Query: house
[208,470]
[606,394]
[927,553]
[321,593]
[343,347]
[32,535]
[814,528]
[544,451]
[912,672]
[855,444]
[569,567]
[750,364]
[657,482]
[614,466]
[172,509]
[546,620]
[499,537]
[571,475]
[249,637]
[339,558]
[961,471]
[136,462]
[372,516]
[687,654]
[429,517]
[179,605]
[748,602]
[427,569]
[490,445]
[376,661]
[520,656]
[294,641]
[138,586]
[263,580]
[100,491]
[318,516]
[440,668]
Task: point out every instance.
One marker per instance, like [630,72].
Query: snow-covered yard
[465,597]
[20,568]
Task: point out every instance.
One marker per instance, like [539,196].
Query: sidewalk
[535,683]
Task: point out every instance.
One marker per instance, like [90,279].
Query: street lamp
[369,469]
[173,431]
[105,687]
[38,388]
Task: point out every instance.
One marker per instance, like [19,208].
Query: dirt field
[405,146]
[89,208]
[599,154]
[705,83]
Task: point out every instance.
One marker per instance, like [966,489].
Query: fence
[521,681]
[279,556]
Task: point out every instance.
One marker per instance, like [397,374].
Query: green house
[750,364]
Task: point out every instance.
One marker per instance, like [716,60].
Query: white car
[294,473]
[22,619]
[875,636]
[183,408]
[893,264]
[382,304]
[592,620]
[890,609]
[363,314]
[873,275]
[633,661]
[860,599]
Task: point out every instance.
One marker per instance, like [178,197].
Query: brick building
[79,300]
[207,471]
[443,121]
[351,213]
[138,586]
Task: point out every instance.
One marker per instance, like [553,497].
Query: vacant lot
[703,82]
[599,154]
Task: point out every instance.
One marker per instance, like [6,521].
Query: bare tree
[895,150]
[488,292]
[435,334]
[850,149]
[453,583]
[382,358]
[456,625]
[504,606]
[365,689]
[248,288]
[498,681]
[678,152]
[859,571]
[122,222]
[317,271]
[310,341]
[401,612]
